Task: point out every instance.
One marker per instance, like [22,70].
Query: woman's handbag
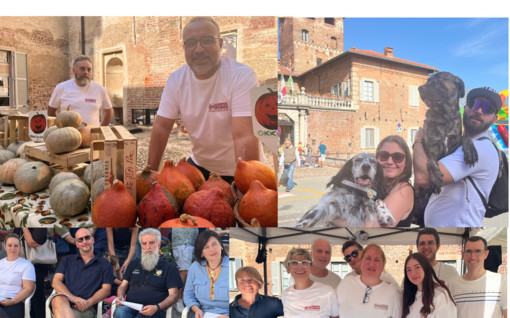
[42,254]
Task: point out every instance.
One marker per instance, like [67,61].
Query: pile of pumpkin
[179,196]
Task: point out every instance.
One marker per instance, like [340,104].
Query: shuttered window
[414,96]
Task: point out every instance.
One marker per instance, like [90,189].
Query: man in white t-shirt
[428,243]
[321,257]
[458,204]
[478,293]
[211,94]
[82,95]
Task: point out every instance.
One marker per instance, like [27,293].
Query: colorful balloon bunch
[499,131]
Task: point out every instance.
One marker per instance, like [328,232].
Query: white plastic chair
[168,311]
[27,304]
[49,314]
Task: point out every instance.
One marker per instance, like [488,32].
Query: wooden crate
[70,161]
[109,141]
[15,129]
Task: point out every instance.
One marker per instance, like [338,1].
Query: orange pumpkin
[8,169]
[186,220]
[212,206]
[144,181]
[266,110]
[175,182]
[156,207]
[260,203]
[215,181]
[86,137]
[249,171]
[114,208]
[191,172]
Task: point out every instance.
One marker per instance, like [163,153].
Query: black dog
[353,199]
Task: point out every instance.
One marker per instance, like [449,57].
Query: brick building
[132,56]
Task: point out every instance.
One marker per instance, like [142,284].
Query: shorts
[88,313]
[183,255]
[322,158]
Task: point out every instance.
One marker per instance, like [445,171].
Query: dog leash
[371,194]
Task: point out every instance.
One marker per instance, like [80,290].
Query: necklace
[213,278]
[211,270]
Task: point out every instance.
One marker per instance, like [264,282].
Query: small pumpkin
[144,181]
[114,207]
[186,220]
[156,207]
[86,136]
[260,203]
[63,140]
[33,176]
[69,198]
[215,181]
[266,110]
[191,172]
[175,182]
[8,169]
[248,171]
[13,147]
[61,177]
[210,205]
[68,118]
[6,155]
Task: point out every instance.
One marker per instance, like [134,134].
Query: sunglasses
[487,107]
[84,238]
[354,254]
[367,294]
[397,157]
[295,264]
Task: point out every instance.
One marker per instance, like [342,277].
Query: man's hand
[119,300]
[80,304]
[149,310]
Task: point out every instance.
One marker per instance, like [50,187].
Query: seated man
[81,280]
[150,281]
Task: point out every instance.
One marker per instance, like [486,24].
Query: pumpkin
[248,171]
[60,177]
[8,169]
[114,207]
[97,188]
[98,172]
[266,110]
[68,118]
[86,137]
[13,147]
[144,181]
[260,203]
[175,182]
[69,198]
[210,205]
[32,177]
[38,123]
[48,131]
[215,181]
[191,172]
[63,140]
[6,155]
[156,207]
[185,220]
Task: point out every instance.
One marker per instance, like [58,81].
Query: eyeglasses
[367,294]
[476,252]
[487,107]
[205,42]
[354,254]
[295,264]
[84,238]
[397,157]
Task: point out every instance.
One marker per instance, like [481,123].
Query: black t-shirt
[150,288]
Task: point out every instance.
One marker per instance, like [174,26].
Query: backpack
[498,197]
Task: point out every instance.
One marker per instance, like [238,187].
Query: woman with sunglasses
[366,295]
[306,298]
[425,296]
[395,158]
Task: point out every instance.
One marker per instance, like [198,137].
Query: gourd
[69,198]
[8,169]
[186,220]
[191,172]
[260,203]
[114,207]
[33,176]
[175,182]
[248,171]
[215,181]
[210,205]
[61,177]
[156,207]
[68,118]
[63,140]
[144,181]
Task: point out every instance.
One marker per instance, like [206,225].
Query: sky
[476,50]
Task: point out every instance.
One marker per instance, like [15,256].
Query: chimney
[388,51]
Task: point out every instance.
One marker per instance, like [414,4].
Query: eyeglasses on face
[294,263]
[487,107]
[367,294]
[205,42]
[397,157]
[476,252]
[354,254]
[84,238]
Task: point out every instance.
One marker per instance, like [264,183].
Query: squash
[63,140]
[86,137]
[191,172]
[248,171]
[69,198]
[68,118]
[210,205]
[260,203]
[175,182]
[144,181]
[6,155]
[114,208]
[49,131]
[60,177]
[156,207]
[185,220]
[32,177]
[8,169]
[98,172]
[215,181]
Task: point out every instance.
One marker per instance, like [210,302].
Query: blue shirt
[264,306]
[84,280]
[196,291]
[322,149]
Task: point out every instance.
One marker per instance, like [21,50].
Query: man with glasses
[81,280]
[211,94]
[428,243]
[150,281]
[478,293]
[458,204]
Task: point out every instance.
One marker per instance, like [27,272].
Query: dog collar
[371,194]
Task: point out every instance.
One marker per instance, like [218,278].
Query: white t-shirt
[458,204]
[206,108]
[385,276]
[316,301]
[484,297]
[87,100]
[384,301]
[445,272]
[12,275]
[331,279]
[444,307]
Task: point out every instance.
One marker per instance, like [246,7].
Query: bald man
[321,257]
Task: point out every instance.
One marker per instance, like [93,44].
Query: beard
[84,80]
[474,129]
[149,261]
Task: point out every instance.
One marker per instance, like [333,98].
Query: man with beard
[150,281]
[458,204]
[81,280]
[82,95]
[211,94]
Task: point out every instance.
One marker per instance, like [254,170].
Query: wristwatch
[159,308]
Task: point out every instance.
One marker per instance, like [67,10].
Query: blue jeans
[126,312]
[290,174]
[310,161]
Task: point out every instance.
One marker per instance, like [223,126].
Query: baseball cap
[488,93]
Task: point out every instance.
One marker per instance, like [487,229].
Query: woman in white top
[17,279]
[306,298]
[425,296]
[366,295]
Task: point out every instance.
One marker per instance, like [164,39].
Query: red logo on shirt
[312,308]
[380,306]
[90,100]
[218,107]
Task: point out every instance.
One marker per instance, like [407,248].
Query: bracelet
[418,140]
[159,308]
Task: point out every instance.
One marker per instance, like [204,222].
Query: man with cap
[458,204]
